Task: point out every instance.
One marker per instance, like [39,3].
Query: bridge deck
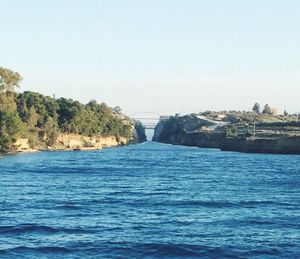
[150,122]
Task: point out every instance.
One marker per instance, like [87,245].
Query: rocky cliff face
[73,142]
[283,145]
[192,131]
[175,132]
[139,132]
[80,142]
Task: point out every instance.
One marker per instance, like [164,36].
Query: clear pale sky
[164,56]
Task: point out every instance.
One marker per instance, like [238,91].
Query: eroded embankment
[74,142]
[192,131]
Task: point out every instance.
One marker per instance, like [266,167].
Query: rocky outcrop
[282,145]
[79,142]
[201,139]
[189,131]
[73,142]
[22,145]
[139,132]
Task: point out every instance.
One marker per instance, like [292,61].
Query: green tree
[9,80]
[32,118]
[117,109]
[256,108]
[7,101]
[126,131]
[50,131]
[267,110]
[46,117]
[10,123]
[44,106]
[10,128]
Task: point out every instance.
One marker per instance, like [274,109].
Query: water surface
[149,200]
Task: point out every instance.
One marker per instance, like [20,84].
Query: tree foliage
[267,110]
[68,116]
[42,118]
[10,128]
[32,118]
[256,108]
[9,80]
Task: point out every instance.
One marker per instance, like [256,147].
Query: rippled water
[149,200]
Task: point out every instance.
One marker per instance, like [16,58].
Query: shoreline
[277,146]
[232,151]
[67,143]
[84,149]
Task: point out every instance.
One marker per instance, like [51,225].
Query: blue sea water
[149,200]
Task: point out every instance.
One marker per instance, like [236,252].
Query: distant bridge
[149,119]
[149,125]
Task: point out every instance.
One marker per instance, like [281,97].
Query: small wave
[209,204]
[169,250]
[178,222]
[155,250]
[225,204]
[42,249]
[32,228]
[264,252]
[68,207]
[254,203]
[147,201]
[141,193]
[141,250]
[272,221]
[256,222]
[175,250]
[150,202]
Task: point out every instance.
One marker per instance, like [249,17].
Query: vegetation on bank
[266,115]
[41,118]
